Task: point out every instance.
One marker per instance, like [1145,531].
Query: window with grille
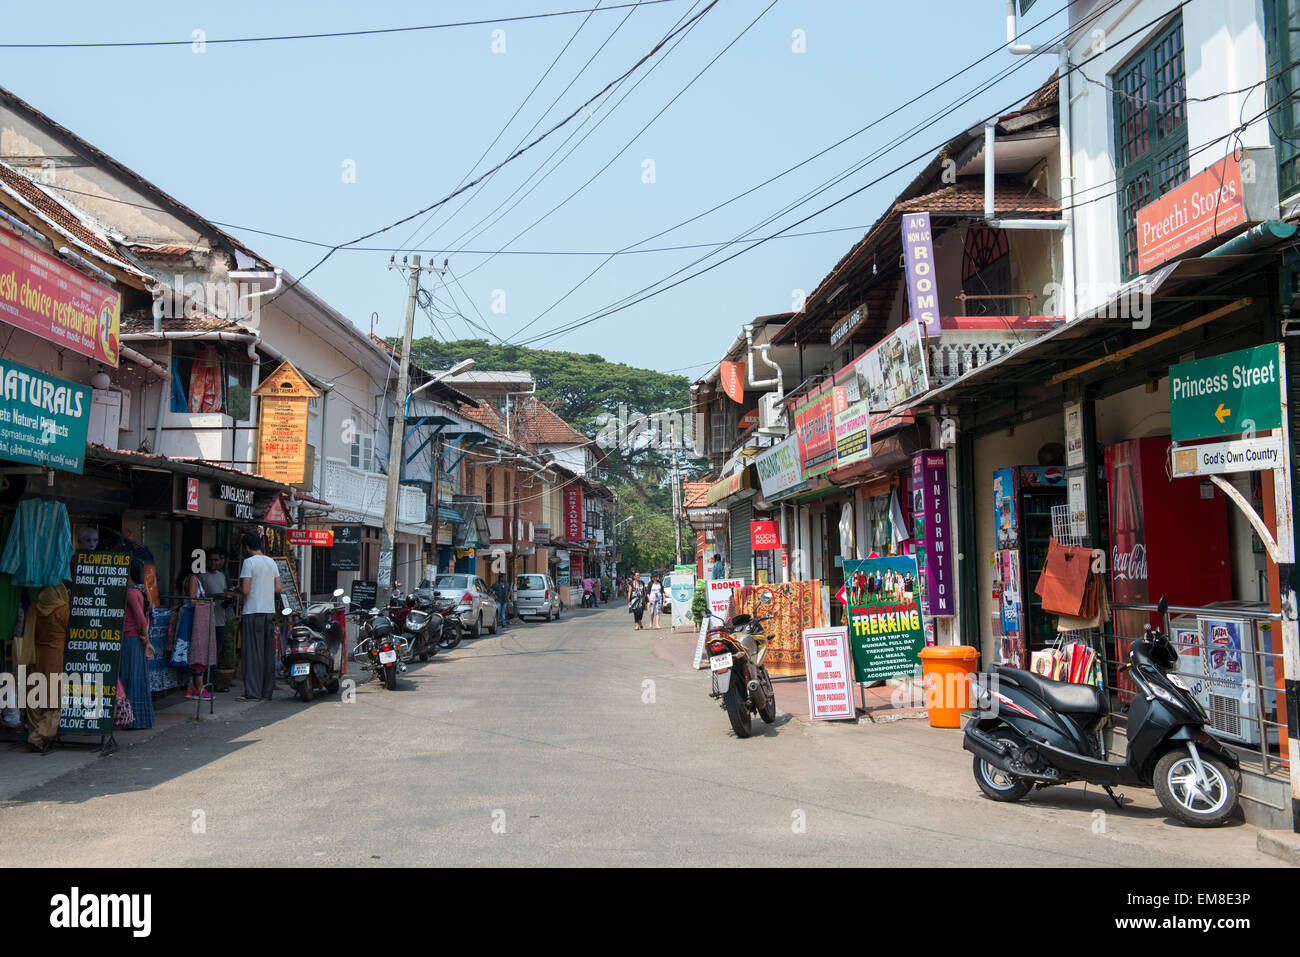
[1282,30]
[1150,105]
[720,429]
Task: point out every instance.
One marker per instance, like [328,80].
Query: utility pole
[677,507]
[387,544]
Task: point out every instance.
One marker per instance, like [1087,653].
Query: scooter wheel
[305,689]
[1194,803]
[424,656]
[998,784]
[333,686]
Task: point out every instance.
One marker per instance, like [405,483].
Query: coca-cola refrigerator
[1168,538]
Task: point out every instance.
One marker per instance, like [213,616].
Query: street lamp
[395,455]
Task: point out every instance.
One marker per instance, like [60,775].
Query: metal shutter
[742,551]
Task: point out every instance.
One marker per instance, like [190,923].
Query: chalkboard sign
[92,657]
[364,594]
[345,554]
[289,586]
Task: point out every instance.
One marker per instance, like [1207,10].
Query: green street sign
[1228,394]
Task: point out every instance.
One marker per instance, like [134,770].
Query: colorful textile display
[796,605]
[203,636]
[38,551]
[162,676]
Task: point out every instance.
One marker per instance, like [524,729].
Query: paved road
[566,743]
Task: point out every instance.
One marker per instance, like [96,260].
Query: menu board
[92,657]
[289,586]
[364,593]
[345,555]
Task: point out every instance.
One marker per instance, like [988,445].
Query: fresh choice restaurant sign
[43,419]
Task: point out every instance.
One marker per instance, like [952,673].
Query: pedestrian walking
[259,582]
[636,600]
[656,597]
[501,592]
[719,570]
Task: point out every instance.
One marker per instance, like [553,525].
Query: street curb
[889,717]
[1283,845]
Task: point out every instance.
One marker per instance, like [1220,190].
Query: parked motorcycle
[313,652]
[737,673]
[377,649]
[417,639]
[1046,732]
[446,627]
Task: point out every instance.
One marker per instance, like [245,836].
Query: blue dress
[135,681]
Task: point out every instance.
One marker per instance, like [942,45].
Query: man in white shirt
[259,581]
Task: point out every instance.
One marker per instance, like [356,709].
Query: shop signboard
[365,593]
[345,556]
[311,537]
[763,536]
[886,626]
[562,573]
[830,677]
[732,377]
[43,419]
[1225,395]
[573,513]
[682,590]
[778,467]
[41,295]
[542,535]
[191,495]
[1238,455]
[282,424]
[930,512]
[1207,205]
[918,263]
[893,370]
[92,655]
[239,500]
[852,434]
[845,328]
[814,420]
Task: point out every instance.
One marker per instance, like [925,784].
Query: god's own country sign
[1228,394]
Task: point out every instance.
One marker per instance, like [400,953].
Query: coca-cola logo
[1130,566]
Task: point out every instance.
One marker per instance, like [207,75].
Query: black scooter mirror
[1163,606]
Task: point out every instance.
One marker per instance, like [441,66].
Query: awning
[744,479]
[446,514]
[199,468]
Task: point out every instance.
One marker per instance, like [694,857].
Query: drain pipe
[753,383]
[1066,223]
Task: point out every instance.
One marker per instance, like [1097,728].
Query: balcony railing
[968,342]
[352,490]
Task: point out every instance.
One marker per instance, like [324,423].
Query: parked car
[476,607]
[538,596]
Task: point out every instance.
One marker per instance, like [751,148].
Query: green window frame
[1282,40]
[1150,110]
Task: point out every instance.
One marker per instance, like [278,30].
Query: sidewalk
[20,770]
[678,649]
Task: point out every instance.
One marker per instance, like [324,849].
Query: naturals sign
[43,420]
[40,295]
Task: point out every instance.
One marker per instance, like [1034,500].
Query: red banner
[763,536]
[40,295]
[814,421]
[733,380]
[573,513]
[1208,204]
[321,537]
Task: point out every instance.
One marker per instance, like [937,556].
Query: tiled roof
[967,196]
[135,324]
[536,423]
[67,222]
[164,252]
[694,494]
[487,417]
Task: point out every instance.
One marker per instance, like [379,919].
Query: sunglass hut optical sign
[240,500]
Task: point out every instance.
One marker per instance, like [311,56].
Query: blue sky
[263,135]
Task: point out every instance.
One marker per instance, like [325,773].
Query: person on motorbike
[589,588]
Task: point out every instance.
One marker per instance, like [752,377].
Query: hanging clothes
[47,618]
[203,636]
[205,381]
[38,551]
[10,594]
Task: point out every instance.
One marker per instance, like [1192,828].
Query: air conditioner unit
[771,414]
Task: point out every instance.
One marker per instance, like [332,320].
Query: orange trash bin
[945,670]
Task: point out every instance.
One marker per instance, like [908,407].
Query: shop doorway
[833,568]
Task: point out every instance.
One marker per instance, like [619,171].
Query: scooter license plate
[387,657]
[300,670]
[721,662]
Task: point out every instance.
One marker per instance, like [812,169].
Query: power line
[520,152]
[518,108]
[331,35]
[646,293]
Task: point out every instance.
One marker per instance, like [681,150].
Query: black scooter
[1033,732]
[313,652]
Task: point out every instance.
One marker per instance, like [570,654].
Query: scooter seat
[1063,696]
